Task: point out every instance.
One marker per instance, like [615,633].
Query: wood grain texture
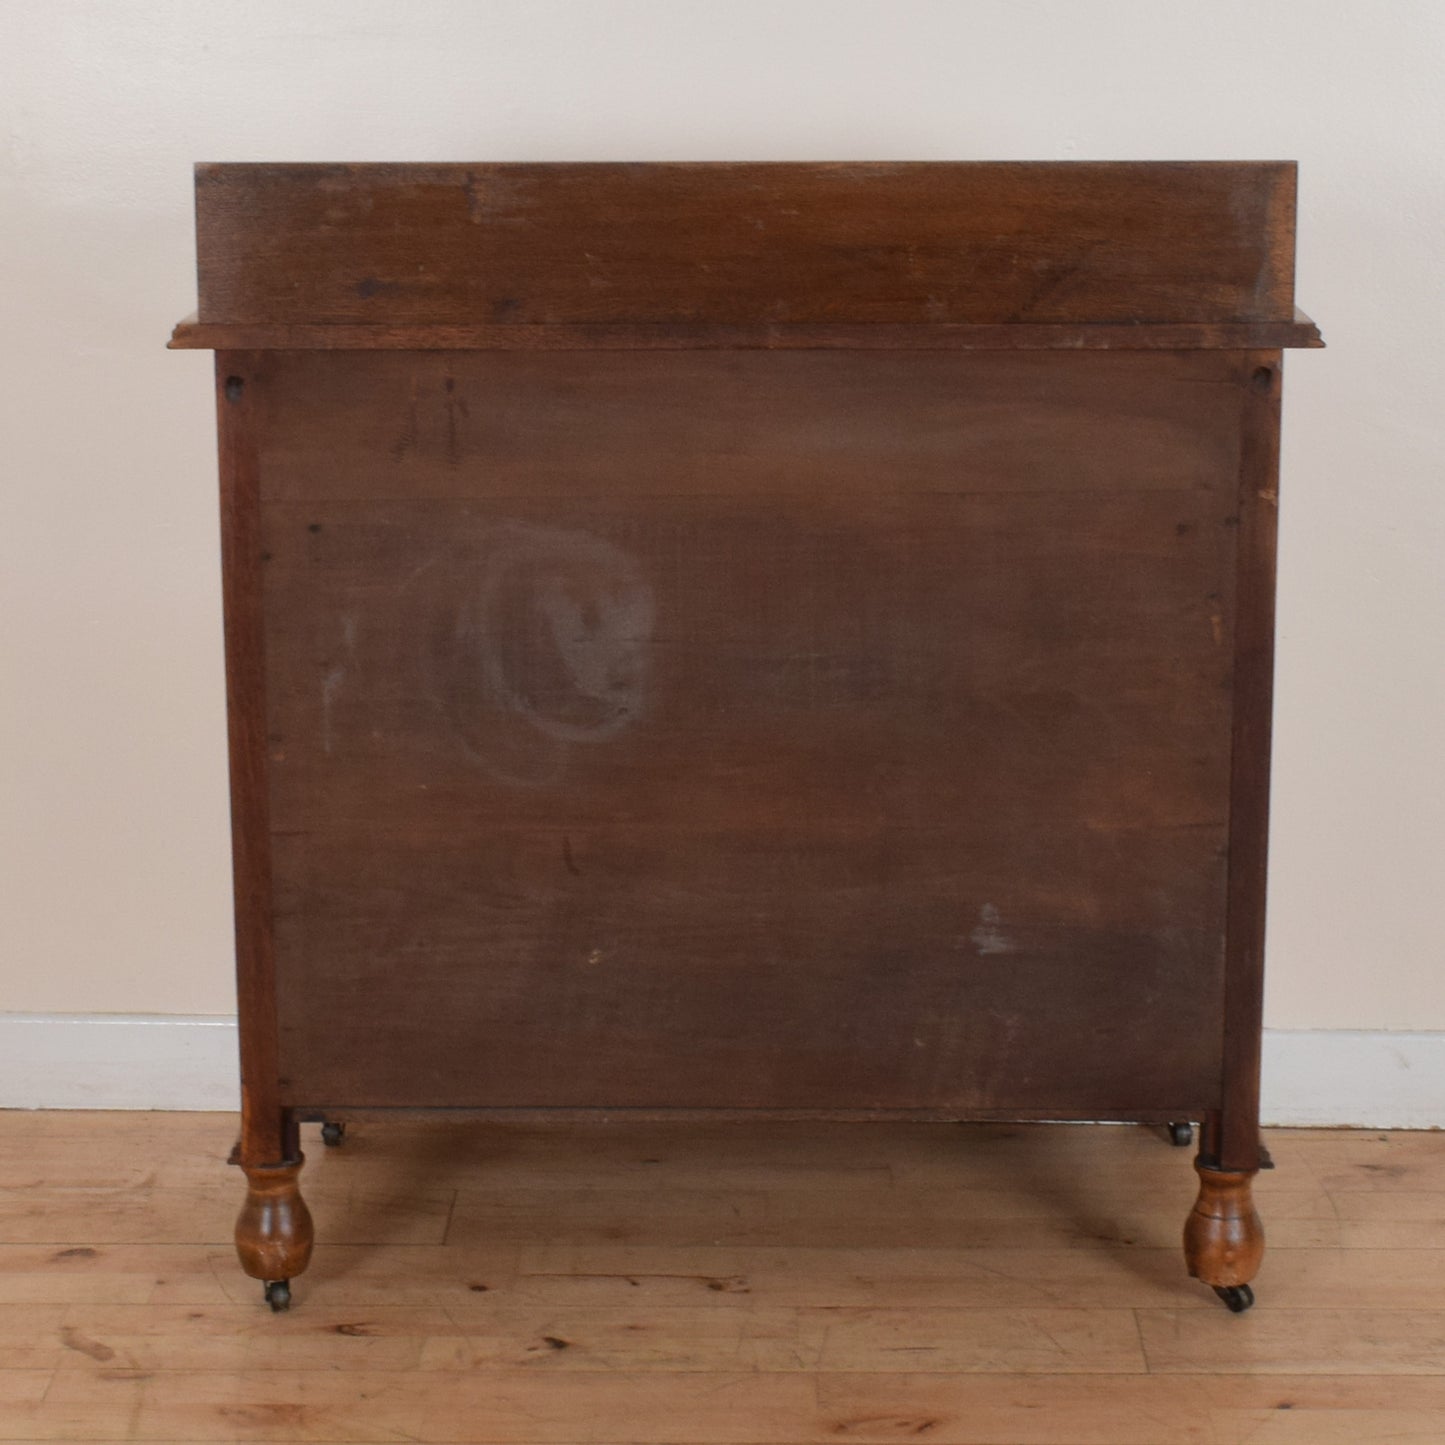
[1223,1236]
[274,1231]
[746,244]
[730,637]
[802,427]
[789,1331]
[262,1140]
[1237,1143]
[893,766]
[193,335]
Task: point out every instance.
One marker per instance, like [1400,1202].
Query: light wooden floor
[705,1283]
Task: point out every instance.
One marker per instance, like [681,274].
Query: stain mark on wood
[539,640]
[988,936]
[72,1339]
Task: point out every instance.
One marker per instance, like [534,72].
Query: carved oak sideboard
[728,638]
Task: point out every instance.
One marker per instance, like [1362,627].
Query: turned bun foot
[1223,1236]
[274,1231]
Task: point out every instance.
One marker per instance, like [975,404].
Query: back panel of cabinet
[750,729]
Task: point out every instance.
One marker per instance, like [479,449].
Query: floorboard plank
[709,1283]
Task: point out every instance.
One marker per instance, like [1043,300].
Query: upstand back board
[788,638]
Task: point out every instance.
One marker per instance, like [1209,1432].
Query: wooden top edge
[746,244]
[380,168]
[193,335]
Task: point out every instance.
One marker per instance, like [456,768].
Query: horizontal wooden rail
[748,245]
[192,334]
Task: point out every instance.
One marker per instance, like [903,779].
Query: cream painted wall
[113,842]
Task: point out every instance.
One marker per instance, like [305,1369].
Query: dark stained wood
[808,426]
[729,639]
[1258,510]
[746,244]
[911,785]
[447,674]
[671,1114]
[720,679]
[263,1141]
[763,970]
[1106,336]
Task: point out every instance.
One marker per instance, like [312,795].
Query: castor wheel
[278,1295]
[1238,1297]
[1181,1136]
[332,1134]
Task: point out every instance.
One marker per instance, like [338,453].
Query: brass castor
[1237,1297]
[278,1295]
[1181,1136]
[332,1134]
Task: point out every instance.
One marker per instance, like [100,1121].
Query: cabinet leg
[274,1231]
[1223,1236]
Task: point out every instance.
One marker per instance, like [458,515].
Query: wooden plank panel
[571,1339]
[958,1219]
[475,1271]
[1349,1341]
[523,1403]
[84,1218]
[31,1336]
[925,1273]
[1369,1162]
[745,971]
[90,1274]
[193,335]
[746,243]
[1287,1424]
[22,1393]
[1392,1221]
[485,425]
[1233,1409]
[771,762]
[600,1340]
[741,1407]
[908,662]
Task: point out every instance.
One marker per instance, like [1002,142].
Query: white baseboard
[1368,1079]
[1365,1079]
[118,1061]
